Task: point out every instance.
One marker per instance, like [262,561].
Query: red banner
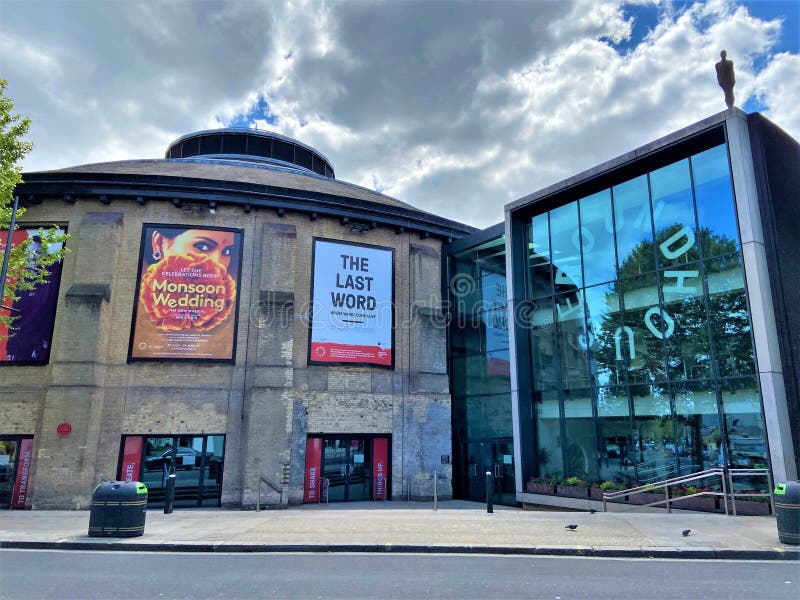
[313,469]
[380,469]
[21,485]
[131,458]
[348,353]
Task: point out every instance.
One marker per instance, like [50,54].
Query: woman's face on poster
[217,245]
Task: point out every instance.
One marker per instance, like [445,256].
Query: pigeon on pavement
[686,532]
[571,527]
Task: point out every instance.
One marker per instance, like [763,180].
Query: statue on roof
[725,77]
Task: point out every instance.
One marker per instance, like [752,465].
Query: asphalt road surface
[142,575]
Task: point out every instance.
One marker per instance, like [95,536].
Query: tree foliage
[688,351]
[26,268]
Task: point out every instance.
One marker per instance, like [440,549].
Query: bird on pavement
[592,510]
[571,527]
[686,532]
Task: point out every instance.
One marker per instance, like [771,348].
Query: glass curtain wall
[642,356]
[480,372]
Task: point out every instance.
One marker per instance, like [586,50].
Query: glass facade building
[641,351]
[644,337]
[480,368]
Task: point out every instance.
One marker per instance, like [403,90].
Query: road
[141,575]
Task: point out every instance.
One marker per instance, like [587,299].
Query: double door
[347,465]
[497,457]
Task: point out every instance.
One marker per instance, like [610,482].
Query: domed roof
[248,180]
[251,145]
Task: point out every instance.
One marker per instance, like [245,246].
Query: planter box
[647,498]
[573,491]
[700,503]
[752,508]
[540,488]
[596,494]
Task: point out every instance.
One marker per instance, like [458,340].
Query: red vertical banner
[22,482]
[380,470]
[131,458]
[313,469]
[17,238]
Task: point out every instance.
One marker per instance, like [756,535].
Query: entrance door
[496,456]
[347,464]
[197,462]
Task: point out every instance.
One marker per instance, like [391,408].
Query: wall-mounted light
[212,207]
[104,199]
[247,207]
[140,200]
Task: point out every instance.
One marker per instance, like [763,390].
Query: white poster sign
[352,313]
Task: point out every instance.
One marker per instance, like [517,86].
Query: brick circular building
[236,314]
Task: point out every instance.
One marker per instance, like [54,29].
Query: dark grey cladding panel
[102,218]
[776,158]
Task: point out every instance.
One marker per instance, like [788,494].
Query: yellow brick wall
[255,402]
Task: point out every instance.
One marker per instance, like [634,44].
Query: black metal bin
[787,509]
[118,509]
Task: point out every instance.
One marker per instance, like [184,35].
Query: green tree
[26,268]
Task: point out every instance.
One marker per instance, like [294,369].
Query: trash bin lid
[788,493]
[118,491]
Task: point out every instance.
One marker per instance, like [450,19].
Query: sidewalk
[457,527]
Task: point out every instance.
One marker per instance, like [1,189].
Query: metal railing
[726,477]
[270,483]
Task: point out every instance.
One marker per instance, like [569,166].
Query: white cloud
[778,87]
[457,108]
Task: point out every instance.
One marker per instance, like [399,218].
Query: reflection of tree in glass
[688,348]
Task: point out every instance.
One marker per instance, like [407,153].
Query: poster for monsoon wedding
[352,304]
[187,294]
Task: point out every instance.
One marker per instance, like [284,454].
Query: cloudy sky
[455,107]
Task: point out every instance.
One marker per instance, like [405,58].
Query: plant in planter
[540,485]
[606,486]
[543,485]
[699,503]
[574,487]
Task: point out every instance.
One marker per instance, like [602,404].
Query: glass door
[497,457]
[8,470]
[347,464]
[197,462]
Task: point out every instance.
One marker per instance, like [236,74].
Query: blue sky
[455,107]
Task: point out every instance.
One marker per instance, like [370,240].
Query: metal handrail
[726,479]
[270,483]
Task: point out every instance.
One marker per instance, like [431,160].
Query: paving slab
[414,527]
